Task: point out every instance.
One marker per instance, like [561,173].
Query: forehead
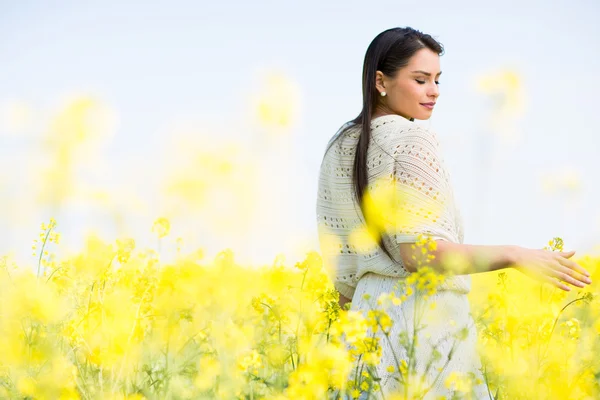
[424,60]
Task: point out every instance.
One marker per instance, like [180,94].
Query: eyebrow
[427,73]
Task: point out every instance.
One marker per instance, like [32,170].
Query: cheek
[411,92]
[418,90]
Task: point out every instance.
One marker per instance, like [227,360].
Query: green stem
[42,252]
[556,321]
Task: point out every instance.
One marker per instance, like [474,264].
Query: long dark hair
[388,52]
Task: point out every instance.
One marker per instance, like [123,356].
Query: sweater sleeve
[424,197]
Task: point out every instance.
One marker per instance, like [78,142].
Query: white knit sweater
[409,154]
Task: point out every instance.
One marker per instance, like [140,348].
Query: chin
[423,116]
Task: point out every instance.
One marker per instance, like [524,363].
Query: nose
[434,91]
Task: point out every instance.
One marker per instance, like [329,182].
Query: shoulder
[417,148]
[419,134]
[348,129]
[394,125]
[398,135]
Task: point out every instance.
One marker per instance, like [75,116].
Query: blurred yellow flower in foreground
[83,118]
[277,105]
[70,144]
[506,90]
[362,240]
[161,227]
[15,117]
[221,330]
[212,182]
[506,84]
[567,180]
[392,207]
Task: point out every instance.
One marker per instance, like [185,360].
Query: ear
[379,81]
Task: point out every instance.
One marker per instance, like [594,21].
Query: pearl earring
[383,94]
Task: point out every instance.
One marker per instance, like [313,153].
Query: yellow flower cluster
[161,227]
[425,281]
[538,341]
[46,236]
[462,382]
[114,322]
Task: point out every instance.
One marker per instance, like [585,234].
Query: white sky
[159,63]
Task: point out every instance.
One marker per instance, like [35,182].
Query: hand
[545,265]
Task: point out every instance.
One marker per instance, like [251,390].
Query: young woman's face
[413,87]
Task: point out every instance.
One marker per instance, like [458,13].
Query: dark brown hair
[390,51]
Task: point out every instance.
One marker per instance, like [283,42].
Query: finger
[572,269]
[556,283]
[574,266]
[563,273]
[567,254]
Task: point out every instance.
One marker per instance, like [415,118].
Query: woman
[383,144]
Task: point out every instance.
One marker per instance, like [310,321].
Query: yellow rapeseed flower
[161,227]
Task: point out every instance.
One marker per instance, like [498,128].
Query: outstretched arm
[461,258]
[542,265]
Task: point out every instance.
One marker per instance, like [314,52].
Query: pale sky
[163,63]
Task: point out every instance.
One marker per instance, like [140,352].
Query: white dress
[409,155]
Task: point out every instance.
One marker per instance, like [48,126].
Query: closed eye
[423,82]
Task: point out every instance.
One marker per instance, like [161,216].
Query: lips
[428,104]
